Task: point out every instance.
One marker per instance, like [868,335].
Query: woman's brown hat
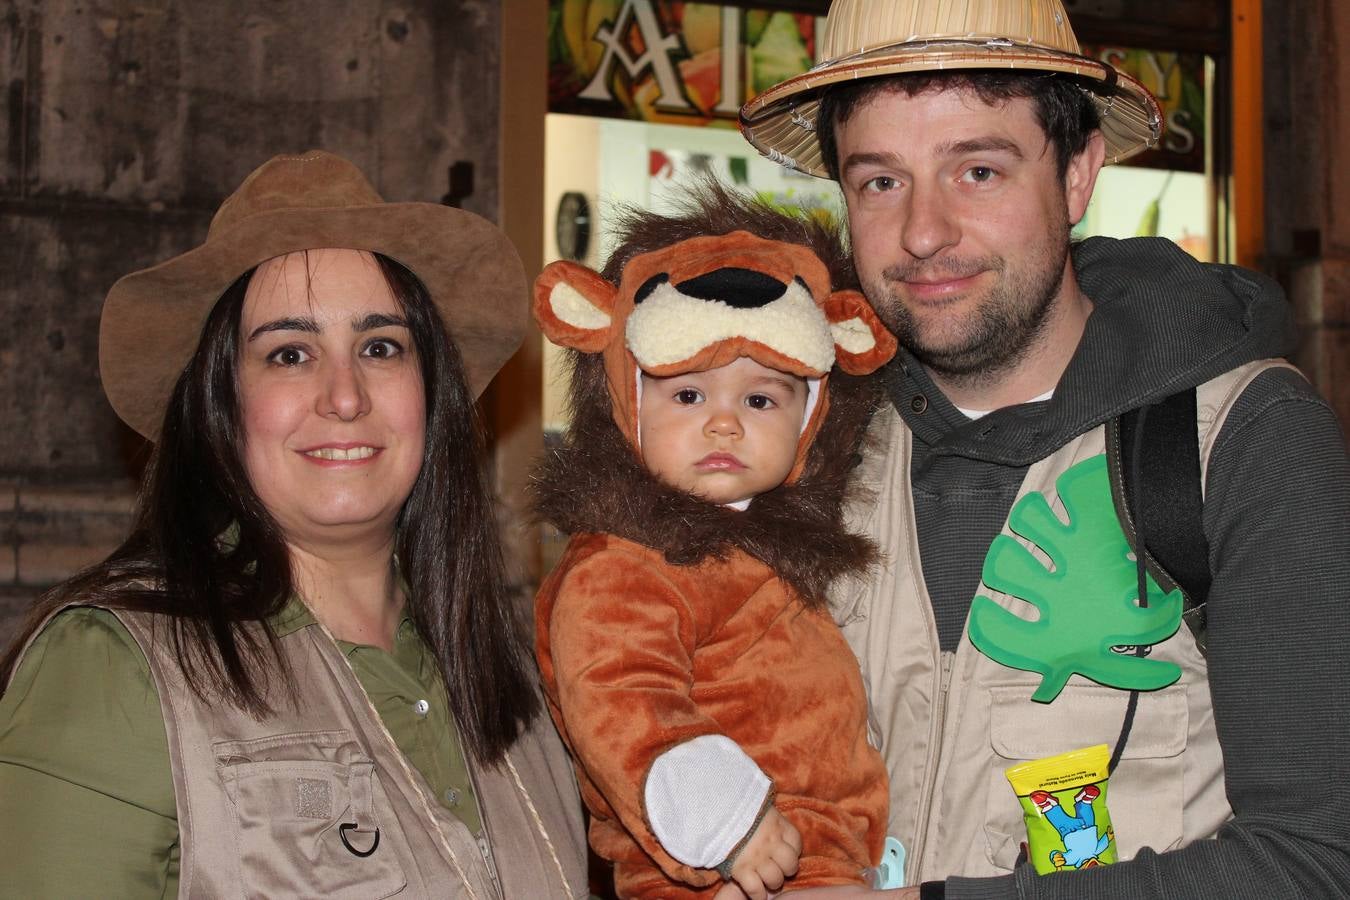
[869,38]
[152,319]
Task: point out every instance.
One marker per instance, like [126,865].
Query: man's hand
[767,859]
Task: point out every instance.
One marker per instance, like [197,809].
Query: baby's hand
[768,858]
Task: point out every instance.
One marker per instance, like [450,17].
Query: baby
[716,717]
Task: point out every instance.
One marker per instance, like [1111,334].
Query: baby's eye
[383,348]
[687,396]
[760,401]
[287,356]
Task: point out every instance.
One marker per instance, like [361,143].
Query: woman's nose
[343,395]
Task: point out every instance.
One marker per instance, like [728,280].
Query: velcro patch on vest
[313,798]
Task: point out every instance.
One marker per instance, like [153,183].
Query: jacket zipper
[947,659]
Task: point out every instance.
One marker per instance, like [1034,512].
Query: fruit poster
[697,63]
[671,62]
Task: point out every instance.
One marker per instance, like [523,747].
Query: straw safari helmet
[152,319]
[868,38]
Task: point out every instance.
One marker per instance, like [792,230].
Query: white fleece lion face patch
[672,322]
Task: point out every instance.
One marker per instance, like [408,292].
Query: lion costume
[686,655]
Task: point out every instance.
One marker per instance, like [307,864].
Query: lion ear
[574,306]
[861,343]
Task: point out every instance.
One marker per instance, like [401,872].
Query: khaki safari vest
[262,805]
[950,724]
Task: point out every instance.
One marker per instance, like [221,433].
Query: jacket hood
[1161,322]
[595,483]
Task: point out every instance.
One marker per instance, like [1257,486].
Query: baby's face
[726,434]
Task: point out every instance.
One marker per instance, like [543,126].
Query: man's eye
[760,401]
[383,348]
[980,174]
[687,396]
[880,184]
[287,356]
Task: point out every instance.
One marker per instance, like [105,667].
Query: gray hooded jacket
[1277,518]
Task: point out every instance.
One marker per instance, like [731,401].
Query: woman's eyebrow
[288,324]
[378,320]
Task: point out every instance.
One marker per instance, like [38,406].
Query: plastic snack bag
[1064,805]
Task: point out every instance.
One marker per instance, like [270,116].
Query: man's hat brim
[781,122]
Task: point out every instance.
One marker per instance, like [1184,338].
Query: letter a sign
[657,57]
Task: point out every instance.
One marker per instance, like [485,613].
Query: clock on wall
[572,228]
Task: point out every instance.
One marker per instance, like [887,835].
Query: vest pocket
[311,818]
[1146,792]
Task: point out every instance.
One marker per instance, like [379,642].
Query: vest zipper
[484,846]
[947,659]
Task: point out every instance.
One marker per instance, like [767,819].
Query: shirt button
[451,797]
[918,403]
[421,707]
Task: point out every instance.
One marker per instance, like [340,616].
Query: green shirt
[86,790]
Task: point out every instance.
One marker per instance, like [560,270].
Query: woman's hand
[767,860]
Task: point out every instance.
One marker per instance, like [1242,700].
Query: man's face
[960,223]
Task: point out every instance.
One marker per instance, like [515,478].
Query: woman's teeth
[337,453]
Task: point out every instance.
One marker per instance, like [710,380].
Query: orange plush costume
[671,622]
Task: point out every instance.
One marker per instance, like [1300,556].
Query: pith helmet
[868,38]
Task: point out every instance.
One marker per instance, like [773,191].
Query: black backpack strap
[1168,500]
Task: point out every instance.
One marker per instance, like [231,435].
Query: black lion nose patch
[739,288]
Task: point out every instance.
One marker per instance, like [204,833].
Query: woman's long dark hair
[206,554]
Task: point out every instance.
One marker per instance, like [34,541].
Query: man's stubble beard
[993,339]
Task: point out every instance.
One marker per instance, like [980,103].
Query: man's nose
[929,227]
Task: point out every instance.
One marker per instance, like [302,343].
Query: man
[1007,625]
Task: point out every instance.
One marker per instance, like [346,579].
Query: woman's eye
[383,348]
[760,401]
[687,396]
[287,356]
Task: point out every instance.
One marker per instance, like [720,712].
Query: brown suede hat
[152,319]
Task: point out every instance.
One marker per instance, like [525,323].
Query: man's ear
[1081,177]
[861,343]
[574,306]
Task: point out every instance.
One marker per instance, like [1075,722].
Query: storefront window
[644,95]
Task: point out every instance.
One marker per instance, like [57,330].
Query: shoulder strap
[1167,502]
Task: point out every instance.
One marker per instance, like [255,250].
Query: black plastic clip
[350,826]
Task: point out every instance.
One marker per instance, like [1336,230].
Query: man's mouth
[938,287]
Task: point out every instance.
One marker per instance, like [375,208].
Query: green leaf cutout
[1086,603]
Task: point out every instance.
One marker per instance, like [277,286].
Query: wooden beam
[514,406]
[1248,198]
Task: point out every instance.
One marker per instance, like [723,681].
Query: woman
[301,675]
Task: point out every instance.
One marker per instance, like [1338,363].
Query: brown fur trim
[595,483]
[711,209]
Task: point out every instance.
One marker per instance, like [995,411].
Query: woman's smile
[341,453]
